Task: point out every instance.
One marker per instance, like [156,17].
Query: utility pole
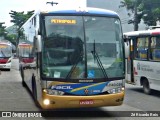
[135,17]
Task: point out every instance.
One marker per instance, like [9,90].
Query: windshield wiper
[3,53]
[98,60]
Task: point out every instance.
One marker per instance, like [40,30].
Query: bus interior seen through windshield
[79,48]
[5,51]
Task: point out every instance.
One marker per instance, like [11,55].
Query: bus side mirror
[125,38]
[38,43]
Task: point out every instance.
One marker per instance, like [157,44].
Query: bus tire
[146,87]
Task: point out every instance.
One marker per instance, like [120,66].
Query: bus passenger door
[129,61]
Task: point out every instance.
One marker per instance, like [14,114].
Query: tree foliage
[11,38]
[134,7]
[19,18]
[151,11]
[2,29]
[130,4]
[148,10]
[3,33]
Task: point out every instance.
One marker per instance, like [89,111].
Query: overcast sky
[27,5]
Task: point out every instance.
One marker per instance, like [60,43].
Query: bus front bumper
[54,101]
[5,66]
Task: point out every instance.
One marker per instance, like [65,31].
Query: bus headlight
[115,90]
[54,92]
[46,102]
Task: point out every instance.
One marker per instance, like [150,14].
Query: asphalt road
[14,97]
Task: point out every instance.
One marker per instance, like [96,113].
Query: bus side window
[143,53]
[138,49]
[142,48]
[153,43]
[156,54]
[155,48]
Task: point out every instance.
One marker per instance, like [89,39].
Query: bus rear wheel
[146,87]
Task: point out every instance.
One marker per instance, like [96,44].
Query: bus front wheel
[146,86]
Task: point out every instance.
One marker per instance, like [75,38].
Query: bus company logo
[86,91]
[62,87]
[138,66]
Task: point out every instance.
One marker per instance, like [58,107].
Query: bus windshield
[81,47]
[5,51]
[25,50]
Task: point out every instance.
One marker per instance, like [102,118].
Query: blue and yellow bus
[78,58]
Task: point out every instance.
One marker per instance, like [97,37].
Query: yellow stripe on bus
[81,88]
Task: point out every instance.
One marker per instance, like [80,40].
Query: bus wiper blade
[100,63]
[3,53]
[95,55]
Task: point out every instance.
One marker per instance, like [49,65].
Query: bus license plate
[86,102]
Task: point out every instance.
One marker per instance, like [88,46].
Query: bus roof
[24,44]
[142,33]
[6,42]
[75,11]
[82,11]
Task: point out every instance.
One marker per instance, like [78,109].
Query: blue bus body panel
[81,88]
[89,11]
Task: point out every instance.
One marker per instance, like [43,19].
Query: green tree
[3,33]
[148,10]
[133,6]
[2,29]
[151,11]
[19,18]
[11,38]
